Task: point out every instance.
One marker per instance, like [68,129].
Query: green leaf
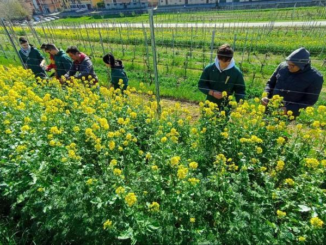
[304,208]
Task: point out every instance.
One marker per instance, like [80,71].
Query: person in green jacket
[222,78]
[32,58]
[62,62]
[117,72]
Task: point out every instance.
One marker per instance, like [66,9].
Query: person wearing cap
[82,66]
[222,76]
[296,81]
[117,72]
[52,63]
[61,60]
[32,58]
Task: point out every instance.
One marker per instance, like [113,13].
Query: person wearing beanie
[296,81]
[222,76]
[32,58]
[117,72]
[61,60]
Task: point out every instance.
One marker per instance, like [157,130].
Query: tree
[14,9]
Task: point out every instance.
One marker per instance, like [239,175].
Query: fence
[183,49]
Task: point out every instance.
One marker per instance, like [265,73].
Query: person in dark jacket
[52,63]
[82,66]
[62,62]
[296,81]
[32,58]
[222,76]
[117,72]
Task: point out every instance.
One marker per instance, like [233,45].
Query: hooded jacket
[229,80]
[84,67]
[117,73]
[299,89]
[32,61]
[62,62]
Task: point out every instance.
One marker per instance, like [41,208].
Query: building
[84,4]
[125,4]
[184,2]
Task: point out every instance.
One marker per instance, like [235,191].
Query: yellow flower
[76,129]
[25,128]
[95,127]
[280,165]
[280,141]
[111,145]
[289,182]
[128,136]
[107,224]
[90,181]
[194,131]
[120,190]
[113,162]
[263,169]
[316,222]
[111,134]
[154,168]
[8,131]
[121,121]
[55,130]
[117,171]
[193,165]
[44,118]
[52,143]
[182,172]
[225,135]
[192,220]
[301,239]
[131,199]
[220,158]
[175,161]
[154,207]
[280,214]
[21,148]
[312,162]
[133,115]
[259,150]
[233,167]
[104,123]
[315,124]
[148,156]
[164,139]
[40,189]
[193,181]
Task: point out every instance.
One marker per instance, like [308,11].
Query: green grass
[207,16]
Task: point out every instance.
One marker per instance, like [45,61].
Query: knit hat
[300,57]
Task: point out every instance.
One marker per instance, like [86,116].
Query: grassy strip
[253,15]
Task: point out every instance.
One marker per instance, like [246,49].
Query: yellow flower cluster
[107,224]
[280,165]
[316,222]
[182,172]
[193,181]
[131,199]
[311,163]
[280,214]
[154,207]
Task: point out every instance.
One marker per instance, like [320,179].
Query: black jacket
[299,90]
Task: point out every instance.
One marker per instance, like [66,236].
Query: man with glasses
[222,78]
[296,81]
